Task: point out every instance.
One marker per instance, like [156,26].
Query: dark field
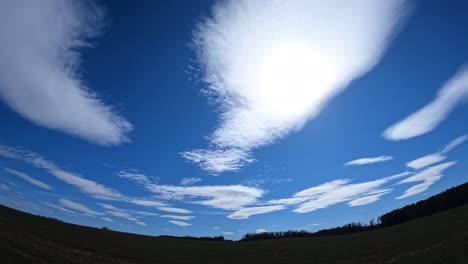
[24,238]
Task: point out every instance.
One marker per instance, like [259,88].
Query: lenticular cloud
[272,65]
[39,68]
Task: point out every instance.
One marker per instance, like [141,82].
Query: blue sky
[220,118]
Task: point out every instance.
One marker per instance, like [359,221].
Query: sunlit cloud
[261,230]
[28,178]
[364,161]
[452,93]
[273,65]
[108,219]
[40,76]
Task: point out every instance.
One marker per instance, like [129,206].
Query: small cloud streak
[179,217]
[179,223]
[246,212]
[437,157]
[294,67]
[425,161]
[189,181]
[28,178]
[79,207]
[454,92]
[364,161]
[428,177]
[40,69]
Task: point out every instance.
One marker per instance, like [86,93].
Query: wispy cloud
[364,161]
[368,199]
[28,178]
[189,181]
[454,92]
[175,210]
[90,187]
[294,67]
[228,197]
[40,76]
[337,191]
[131,215]
[179,217]
[454,143]
[425,161]
[227,233]
[437,157]
[261,230]
[428,177]
[108,219]
[79,207]
[246,212]
[179,223]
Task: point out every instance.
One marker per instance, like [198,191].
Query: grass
[25,238]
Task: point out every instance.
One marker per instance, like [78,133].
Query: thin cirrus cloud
[89,187]
[454,92]
[437,157]
[179,223]
[273,65]
[28,178]
[364,161]
[427,177]
[227,197]
[246,212]
[40,68]
[79,207]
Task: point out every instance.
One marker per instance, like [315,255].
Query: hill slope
[25,238]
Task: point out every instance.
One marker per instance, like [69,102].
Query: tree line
[451,198]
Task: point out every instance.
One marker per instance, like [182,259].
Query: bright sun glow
[293,78]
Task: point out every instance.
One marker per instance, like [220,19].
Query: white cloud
[28,178]
[179,223]
[189,181]
[62,209]
[428,177]
[364,161]
[92,188]
[175,210]
[140,223]
[148,203]
[261,230]
[454,92]
[437,157]
[337,191]
[179,217]
[4,187]
[368,199]
[426,161]
[228,197]
[79,207]
[227,233]
[40,75]
[244,213]
[454,143]
[271,66]
[135,176]
[107,219]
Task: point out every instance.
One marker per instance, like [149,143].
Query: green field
[24,238]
